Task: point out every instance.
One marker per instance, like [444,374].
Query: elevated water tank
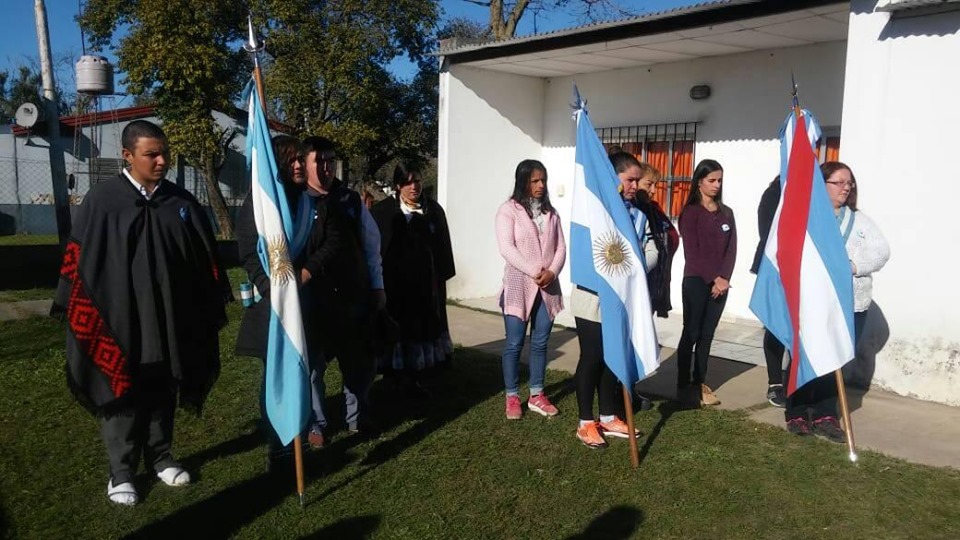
[94,75]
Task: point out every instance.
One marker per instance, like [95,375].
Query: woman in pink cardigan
[531,242]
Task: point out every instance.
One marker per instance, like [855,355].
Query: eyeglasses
[850,185]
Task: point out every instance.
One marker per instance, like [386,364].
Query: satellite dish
[27,115]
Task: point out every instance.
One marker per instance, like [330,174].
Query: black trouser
[593,375]
[819,396]
[145,426]
[701,315]
[773,353]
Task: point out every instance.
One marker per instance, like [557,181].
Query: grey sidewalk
[917,431]
[20,310]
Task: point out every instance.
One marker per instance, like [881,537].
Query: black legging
[593,375]
[701,315]
[773,353]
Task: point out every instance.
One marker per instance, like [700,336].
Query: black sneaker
[828,428]
[776,395]
[798,426]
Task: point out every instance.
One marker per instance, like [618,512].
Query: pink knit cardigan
[527,252]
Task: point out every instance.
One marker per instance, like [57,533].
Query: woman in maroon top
[709,235]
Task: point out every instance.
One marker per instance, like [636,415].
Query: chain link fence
[26,189]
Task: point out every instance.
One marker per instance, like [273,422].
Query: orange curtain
[681,171]
[634,148]
[657,155]
[833,149]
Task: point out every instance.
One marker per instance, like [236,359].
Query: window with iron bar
[667,147]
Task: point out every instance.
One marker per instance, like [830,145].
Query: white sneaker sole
[538,410]
[620,435]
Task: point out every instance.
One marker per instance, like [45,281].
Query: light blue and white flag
[605,257]
[804,288]
[281,240]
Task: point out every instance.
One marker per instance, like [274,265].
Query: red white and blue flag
[804,288]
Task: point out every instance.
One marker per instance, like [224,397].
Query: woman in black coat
[417,262]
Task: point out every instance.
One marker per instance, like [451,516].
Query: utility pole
[58,167]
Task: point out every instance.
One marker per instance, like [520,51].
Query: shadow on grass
[475,378]
[617,523]
[239,445]
[666,410]
[220,515]
[4,523]
[354,528]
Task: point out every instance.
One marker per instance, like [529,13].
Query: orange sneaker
[589,435]
[617,428]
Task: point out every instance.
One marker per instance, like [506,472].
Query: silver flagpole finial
[252,46]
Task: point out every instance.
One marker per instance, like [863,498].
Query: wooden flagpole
[254,47]
[841,388]
[845,412]
[631,431]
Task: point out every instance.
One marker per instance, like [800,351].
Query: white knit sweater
[868,250]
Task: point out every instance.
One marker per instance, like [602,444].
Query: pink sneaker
[540,404]
[513,408]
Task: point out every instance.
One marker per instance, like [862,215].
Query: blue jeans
[540,326]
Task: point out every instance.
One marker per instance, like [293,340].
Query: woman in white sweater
[868,251]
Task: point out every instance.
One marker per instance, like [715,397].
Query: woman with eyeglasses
[417,262]
[709,235]
[530,240]
[868,252]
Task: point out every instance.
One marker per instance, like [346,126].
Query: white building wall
[739,127]
[899,118]
[489,122]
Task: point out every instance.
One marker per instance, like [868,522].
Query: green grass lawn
[448,468]
[29,239]
[26,294]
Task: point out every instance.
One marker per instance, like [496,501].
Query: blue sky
[19,42]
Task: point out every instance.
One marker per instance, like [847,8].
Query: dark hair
[402,172]
[622,161]
[140,129]
[521,185]
[317,144]
[285,148]
[830,167]
[704,168]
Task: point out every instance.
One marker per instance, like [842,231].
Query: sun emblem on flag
[281,269]
[611,254]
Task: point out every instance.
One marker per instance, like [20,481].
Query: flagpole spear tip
[252,46]
[303,500]
[853,457]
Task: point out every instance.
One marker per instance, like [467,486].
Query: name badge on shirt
[725,228]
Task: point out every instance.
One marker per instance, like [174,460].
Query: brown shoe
[707,397]
[315,438]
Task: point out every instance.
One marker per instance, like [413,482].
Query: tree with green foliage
[26,86]
[329,74]
[186,55]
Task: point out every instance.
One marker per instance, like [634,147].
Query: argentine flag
[281,240]
[804,288]
[605,257]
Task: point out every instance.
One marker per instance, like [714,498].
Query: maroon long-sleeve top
[709,242]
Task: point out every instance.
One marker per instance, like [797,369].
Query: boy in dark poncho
[143,294]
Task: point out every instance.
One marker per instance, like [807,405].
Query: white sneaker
[124,493]
[174,476]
